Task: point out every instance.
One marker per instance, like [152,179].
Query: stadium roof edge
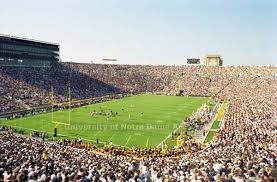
[27,39]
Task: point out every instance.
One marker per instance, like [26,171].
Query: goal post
[67,121]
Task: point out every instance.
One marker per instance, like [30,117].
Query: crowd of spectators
[29,87]
[202,116]
[244,149]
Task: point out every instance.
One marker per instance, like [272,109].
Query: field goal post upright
[66,123]
[69,94]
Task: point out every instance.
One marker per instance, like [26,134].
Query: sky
[243,32]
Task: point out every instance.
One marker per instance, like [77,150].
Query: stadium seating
[244,149]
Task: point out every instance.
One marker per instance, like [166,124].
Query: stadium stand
[20,90]
[244,149]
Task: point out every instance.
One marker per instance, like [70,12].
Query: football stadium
[108,121]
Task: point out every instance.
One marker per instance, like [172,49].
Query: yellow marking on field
[57,123]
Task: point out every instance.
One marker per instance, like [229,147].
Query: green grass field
[216,124]
[210,136]
[142,120]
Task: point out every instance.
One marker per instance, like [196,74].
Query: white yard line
[170,135]
[96,134]
[128,139]
[111,137]
[147,142]
[173,132]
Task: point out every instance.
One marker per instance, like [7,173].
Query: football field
[141,120]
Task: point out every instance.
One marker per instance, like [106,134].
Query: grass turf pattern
[141,120]
[216,124]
